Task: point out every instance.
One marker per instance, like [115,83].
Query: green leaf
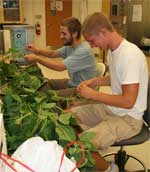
[87,136]
[84,163]
[89,146]
[73,121]
[53,117]
[17,98]
[7,99]
[39,99]
[47,131]
[65,118]
[65,133]
[48,105]
[76,152]
[91,160]
[29,90]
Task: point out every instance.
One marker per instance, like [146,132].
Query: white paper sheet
[137,13]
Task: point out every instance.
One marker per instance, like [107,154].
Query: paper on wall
[137,13]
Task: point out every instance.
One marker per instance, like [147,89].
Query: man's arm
[125,100]
[50,63]
[97,81]
[43,52]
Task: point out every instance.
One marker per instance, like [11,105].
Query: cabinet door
[12,11]
[54,17]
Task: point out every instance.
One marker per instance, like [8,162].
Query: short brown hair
[73,25]
[96,21]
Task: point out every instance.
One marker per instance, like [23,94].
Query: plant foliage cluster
[28,112]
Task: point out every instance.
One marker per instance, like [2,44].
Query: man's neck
[116,40]
[76,43]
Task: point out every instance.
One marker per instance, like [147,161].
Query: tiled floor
[140,151]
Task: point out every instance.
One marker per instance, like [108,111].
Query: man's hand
[90,83]
[85,91]
[32,48]
[31,57]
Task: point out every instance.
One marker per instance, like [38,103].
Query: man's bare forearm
[52,64]
[47,53]
[103,81]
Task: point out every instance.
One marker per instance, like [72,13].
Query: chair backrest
[101,68]
[147,112]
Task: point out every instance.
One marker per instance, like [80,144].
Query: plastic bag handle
[3,156]
[65,150]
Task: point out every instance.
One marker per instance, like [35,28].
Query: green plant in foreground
[13,53]
[29,113]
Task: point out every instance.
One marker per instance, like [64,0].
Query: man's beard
[69,41]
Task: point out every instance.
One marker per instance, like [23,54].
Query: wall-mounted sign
[137,13]
[59,5]
[53,7]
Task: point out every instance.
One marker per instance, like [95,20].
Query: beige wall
[34,10]
[92,6]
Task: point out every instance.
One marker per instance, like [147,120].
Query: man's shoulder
[84,47]
[85,44]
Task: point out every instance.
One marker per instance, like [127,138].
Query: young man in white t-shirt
[115,116]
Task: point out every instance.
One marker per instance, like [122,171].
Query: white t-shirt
[128,65]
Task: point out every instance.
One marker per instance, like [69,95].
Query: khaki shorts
[109,128]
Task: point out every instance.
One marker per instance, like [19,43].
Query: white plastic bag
[41,156]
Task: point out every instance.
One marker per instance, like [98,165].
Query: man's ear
[103,31]
[74,34]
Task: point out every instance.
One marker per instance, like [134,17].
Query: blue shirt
[79,61]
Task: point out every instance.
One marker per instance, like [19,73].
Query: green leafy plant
[7,71]
[28,112]
[13,53]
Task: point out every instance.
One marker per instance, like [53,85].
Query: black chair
[121,157]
